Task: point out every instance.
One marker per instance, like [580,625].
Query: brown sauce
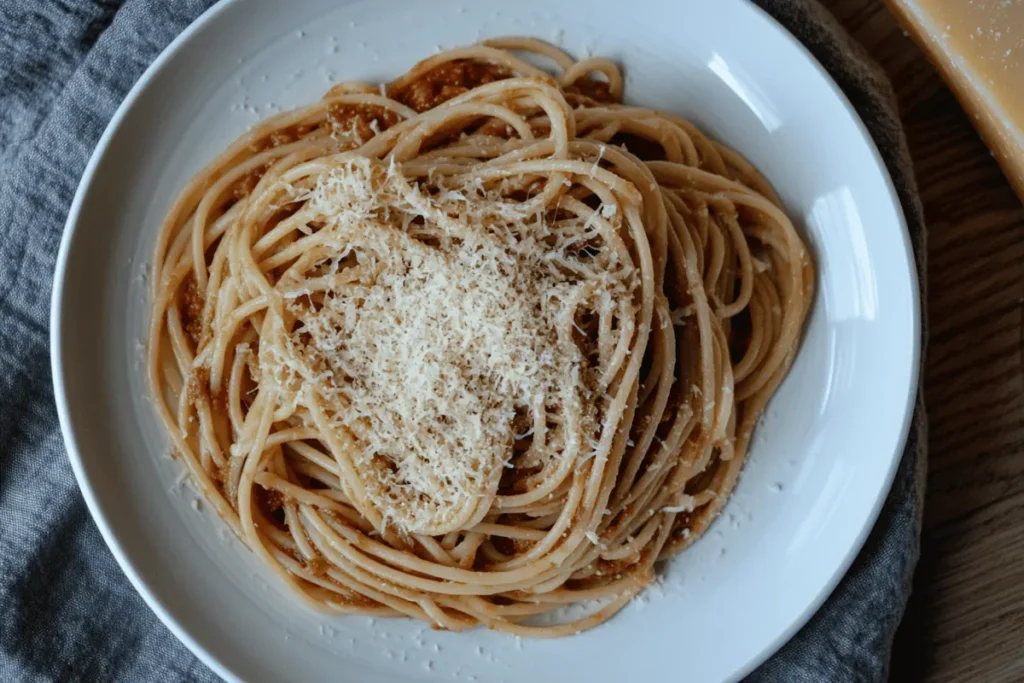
[366,119]
[192,309]
[318,566]
[284,136]
[197,385]
[446,81]
[247,183]
[593,89]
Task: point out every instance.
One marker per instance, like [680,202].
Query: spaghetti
[475,345]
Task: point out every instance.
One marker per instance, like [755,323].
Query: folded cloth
[69,614]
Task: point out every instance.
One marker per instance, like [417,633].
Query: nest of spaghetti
[476,345]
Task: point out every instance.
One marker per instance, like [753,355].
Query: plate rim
[82,478]
[56,341]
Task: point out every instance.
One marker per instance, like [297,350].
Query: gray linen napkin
[69,614]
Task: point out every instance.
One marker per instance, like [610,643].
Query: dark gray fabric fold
[69,613]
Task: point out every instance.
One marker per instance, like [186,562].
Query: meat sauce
[283,136]
[446,81]
[247,183]
[433,88]
[366,120]
[592,89]
[192,313]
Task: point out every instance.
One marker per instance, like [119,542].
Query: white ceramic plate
[823,457]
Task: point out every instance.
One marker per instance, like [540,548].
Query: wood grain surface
[965,621]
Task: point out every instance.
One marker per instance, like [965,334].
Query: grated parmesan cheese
[448,312]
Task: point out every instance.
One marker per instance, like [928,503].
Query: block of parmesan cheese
[978,46]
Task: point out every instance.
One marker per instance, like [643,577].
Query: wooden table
[965,621]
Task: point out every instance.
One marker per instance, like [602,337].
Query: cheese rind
[978,47]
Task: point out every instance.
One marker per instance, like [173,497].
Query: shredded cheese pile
[446,332]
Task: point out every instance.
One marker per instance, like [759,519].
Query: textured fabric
[69,614]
